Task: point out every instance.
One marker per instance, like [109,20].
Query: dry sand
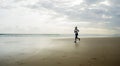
[63,52]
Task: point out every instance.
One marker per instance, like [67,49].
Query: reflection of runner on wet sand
[76,45]
[76,34]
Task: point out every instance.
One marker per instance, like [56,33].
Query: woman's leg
[79,39]
[76,38]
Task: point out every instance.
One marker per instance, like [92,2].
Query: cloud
[100,14]
[89,2]
[114,2]
[80,12]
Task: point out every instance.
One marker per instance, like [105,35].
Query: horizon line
[48,34]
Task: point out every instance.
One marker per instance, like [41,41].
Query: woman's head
[76,27]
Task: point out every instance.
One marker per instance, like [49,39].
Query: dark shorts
[76,35]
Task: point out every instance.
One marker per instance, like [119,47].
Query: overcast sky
[60,16]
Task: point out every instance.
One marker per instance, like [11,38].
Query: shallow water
[17,45]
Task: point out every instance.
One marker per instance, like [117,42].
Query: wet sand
[62,52]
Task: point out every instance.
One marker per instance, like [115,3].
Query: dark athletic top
[76,31]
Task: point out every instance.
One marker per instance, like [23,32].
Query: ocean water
[11,46]
[59,35]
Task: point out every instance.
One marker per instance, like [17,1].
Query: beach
[35,51]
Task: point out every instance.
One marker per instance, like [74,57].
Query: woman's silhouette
[76,34]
